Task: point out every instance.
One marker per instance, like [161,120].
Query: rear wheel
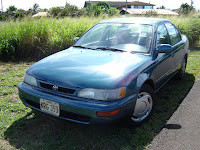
[144,105]
[181,73]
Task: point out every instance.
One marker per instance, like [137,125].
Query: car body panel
[105,66]
[77,106]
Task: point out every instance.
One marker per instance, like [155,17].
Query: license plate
[50,107]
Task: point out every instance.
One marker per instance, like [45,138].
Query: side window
[173,33]
[162,35]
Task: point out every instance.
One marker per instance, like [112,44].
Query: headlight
[30,80]
[101,94]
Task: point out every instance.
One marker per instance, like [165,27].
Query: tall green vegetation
[36,38]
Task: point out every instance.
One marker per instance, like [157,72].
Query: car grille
[59,89]
[63,114]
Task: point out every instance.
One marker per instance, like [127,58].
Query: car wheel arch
[149,82]
[145,79]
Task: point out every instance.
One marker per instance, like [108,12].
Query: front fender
[142,78]
[136,84]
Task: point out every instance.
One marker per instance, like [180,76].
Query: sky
[26,4]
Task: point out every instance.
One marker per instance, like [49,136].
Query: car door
[177,44]
[163,61]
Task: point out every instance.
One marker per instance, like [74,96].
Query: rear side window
[173,33]
[162,35]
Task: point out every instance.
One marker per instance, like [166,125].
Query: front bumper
[77,109]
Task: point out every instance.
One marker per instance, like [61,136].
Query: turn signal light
[109,113]
[123,92]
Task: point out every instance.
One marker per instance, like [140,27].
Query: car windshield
[118,37]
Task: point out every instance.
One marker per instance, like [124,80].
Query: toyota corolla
[112,72]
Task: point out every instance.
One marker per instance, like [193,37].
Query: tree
[161,7]
[18,15]
[35,7]
[185,8]
[99,8]
[103,5]
[11,10]
[68,10]
[54,11]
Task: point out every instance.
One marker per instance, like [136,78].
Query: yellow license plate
[50,107]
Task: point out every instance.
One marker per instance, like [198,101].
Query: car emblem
[55,88]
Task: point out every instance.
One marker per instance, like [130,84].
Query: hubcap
[143,107]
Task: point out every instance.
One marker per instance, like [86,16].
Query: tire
[143,107]
[181,73]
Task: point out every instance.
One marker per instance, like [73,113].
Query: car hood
[85,68]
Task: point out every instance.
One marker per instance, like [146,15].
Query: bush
[113,11]
[3,17]
[151,13]
[7,50]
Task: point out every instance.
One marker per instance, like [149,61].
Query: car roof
[138,20]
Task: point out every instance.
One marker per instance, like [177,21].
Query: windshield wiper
[101,48]
[79,46]
[110,49]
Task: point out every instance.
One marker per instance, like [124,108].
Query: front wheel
[144,105]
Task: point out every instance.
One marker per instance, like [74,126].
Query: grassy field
[33,39]
[22,128]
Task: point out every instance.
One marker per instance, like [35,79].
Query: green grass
[22,128]
[33,39]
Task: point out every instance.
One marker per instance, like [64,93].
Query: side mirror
[76,39]
[164,48]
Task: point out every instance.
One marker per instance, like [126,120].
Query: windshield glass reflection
[121,36]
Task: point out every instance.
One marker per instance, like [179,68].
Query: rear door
[177,44]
